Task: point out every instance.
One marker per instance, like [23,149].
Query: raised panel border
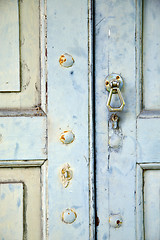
[22,163]
[41,108]
[140,198]
[140,112]
[149,114]
[43,165]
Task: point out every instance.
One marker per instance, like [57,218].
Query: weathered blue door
[79,120]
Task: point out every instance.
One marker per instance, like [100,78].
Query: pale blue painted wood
[23,130]
[68,110]
[148,140]
[115,53]
[30,56]
[151,54]
[148,134]
[9,46]
[22,138]
[11,211]
[139,203]
[30,204]
[151,204]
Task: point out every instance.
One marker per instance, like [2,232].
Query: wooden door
[119,180]
[66,171]
[22,121]
[127,158]
[117,187]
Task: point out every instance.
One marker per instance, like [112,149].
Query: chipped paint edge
[92,204]
[43,54]
[44,107]
[66,180]
[44,200]
[138,56]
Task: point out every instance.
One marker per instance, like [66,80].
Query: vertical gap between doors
[94,112]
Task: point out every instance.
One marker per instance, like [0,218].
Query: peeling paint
[69,216]
[66,174]
[115,220]
[67,137]
[66,60]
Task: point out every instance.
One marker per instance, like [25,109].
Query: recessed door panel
[11,211]
[151,54]
[20,203]
[9,46]
[152,204]
[20,55]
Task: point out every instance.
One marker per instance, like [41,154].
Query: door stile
[68,88]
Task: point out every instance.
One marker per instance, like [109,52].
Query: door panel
[151,204]
[9,46]
[11,211]
[147,201]
[22,82]
[22,187]
[151,55]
